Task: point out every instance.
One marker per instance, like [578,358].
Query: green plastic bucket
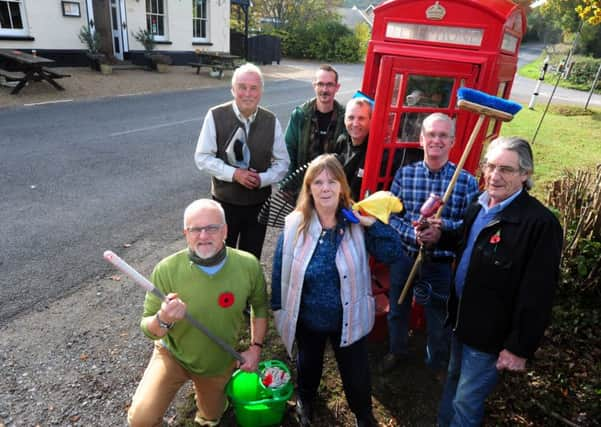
[254,404]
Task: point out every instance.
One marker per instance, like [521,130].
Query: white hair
[247,68]
[199,204]
[435,117]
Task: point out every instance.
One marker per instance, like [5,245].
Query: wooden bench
[54,74]
[12,76]
[215,67]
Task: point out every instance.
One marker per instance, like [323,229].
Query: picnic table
[218,62]
[21,67]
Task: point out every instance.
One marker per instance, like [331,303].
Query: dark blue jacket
[511,279]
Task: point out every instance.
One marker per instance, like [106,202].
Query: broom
[486,106]
[270,378]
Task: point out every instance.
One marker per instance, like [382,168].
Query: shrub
[91,40]
[577,199]
[363,35]
[145,38]
[584,71]
[324,39]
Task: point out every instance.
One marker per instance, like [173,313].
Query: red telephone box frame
[473,42]
[488,65]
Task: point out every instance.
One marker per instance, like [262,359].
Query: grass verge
[568,139]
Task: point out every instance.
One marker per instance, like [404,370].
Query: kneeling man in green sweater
[213,283]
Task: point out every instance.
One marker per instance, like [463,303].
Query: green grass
[569,139]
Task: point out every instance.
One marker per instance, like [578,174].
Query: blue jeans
[471,377]
[431,288]
[353,365]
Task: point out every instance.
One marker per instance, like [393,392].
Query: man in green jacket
[213,283]
[316,124]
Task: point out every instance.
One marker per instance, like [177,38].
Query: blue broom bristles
[481,98]
[360,94]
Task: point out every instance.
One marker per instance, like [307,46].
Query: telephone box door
[407,91]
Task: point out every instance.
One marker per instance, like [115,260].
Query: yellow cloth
[380,205]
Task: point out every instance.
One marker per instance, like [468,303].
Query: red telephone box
[420,53]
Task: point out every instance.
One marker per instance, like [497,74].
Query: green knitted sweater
[208,299]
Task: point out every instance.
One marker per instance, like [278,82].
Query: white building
[51,27]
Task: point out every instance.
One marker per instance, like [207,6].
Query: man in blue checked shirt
[413,184]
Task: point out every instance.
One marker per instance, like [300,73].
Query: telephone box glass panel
[428,91]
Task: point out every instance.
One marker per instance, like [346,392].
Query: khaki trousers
[163,377]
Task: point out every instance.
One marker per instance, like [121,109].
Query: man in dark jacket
[351,147]
[317,123]
[500,303]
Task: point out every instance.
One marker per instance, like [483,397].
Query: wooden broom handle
[445,198]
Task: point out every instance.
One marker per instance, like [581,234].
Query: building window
[12,18]
[155,18]
[199,20]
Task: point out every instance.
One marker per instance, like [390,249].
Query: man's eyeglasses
[489,168]
[433,135]
[321,85]
[210,229]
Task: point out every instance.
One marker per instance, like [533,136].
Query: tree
[285,13]
[562,13]
[590,11]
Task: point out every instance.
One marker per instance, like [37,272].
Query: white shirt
[207,161]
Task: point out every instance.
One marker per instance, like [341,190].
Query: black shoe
[366,421]
[304,412]
[390,362]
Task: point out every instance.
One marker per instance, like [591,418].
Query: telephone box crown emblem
[436,12]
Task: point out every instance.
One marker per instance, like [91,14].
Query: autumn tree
[590,11]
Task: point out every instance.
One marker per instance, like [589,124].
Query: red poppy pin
[495,238]
[226,299]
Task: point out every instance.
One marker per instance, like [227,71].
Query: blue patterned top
[321,305]
[413,184]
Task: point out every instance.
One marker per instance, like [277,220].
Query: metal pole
[590,94]
[555,87]
[541,78]
[364,16]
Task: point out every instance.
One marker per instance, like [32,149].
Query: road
[82,177]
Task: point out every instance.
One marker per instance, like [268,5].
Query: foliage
[90,39]
[324,39]
[145,38]
[584,71]
[577,197]
[542,29]
[363,35]
[590,40]
[283,14]
[590,11]
[562,14]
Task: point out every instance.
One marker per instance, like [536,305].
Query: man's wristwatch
[164,325]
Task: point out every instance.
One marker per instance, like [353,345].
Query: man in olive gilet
[241,145]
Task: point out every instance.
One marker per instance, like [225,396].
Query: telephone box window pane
[410,127]
[435,33]
[383,164]
[388,132]
[428,91]
[398,81]
[510,43]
